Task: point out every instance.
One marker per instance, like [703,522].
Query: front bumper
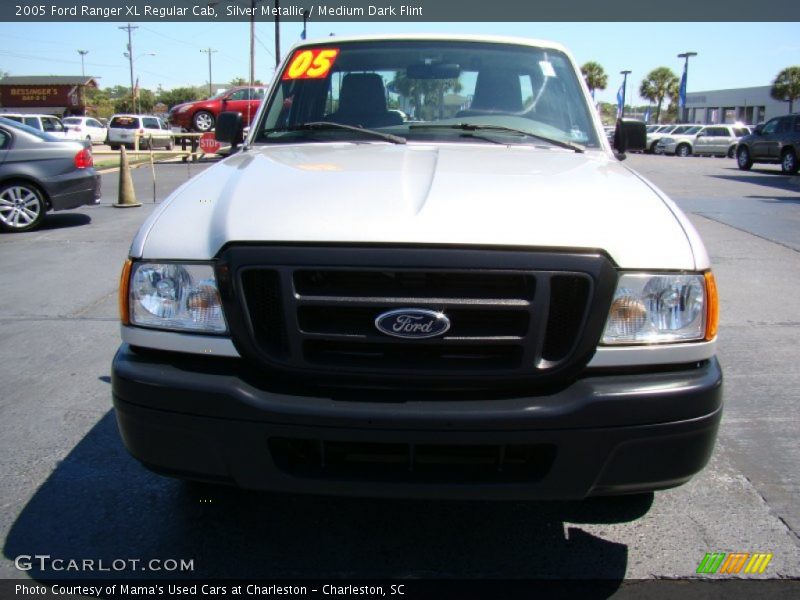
[205,418]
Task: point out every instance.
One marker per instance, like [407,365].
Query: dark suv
[776,142]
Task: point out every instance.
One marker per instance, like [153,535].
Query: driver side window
[239,95]
[771,126]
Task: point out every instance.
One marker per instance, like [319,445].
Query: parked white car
[123,130]
[46,123]
[679,142]
[85,128]
[479,302]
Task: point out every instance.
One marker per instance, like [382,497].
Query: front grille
[512,315]
[412,462]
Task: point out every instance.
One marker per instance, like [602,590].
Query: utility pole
[129,28]
[83,53]
[624,90]
[209,51]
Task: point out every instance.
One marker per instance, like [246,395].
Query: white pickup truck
[425,273]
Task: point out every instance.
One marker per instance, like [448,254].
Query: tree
[144,102]
[239,81]
[425,95]
[659,84]
[595,76]
[181,95]
[786,86]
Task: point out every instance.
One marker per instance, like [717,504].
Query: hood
[453,194]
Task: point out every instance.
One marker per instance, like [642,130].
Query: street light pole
[624,90]
[306,14]
[682,90]
[277,34]
[209,51]
[83,53]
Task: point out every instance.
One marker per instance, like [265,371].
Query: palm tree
[657,85]
[786,86]
[595,76]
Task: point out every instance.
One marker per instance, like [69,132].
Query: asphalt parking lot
[70,490]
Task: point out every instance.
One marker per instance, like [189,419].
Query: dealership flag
[620,99]
[682,90]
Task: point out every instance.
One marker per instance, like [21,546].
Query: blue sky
[730,55]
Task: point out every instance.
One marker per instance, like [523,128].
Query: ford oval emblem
[412,323]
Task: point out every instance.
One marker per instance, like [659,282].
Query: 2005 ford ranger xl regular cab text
[424,273]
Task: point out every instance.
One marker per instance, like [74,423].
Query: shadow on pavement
[777,199]
[99,503]
[781,181]
[64,221]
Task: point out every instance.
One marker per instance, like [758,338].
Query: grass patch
[108,162]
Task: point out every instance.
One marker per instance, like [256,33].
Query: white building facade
[744,105]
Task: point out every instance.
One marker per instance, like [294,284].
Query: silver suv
[719,140]
[777,142]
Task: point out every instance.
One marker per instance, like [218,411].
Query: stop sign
[209,144]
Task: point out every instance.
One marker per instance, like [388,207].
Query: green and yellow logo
[734,563]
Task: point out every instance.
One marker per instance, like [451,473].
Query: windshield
[124,122]
[403,87]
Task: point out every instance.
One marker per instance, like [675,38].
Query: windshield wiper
[474,127]
[314,125]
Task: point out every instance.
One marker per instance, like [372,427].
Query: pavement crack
[89,307]
[763,498]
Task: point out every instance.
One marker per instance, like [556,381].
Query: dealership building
[45,94]
[744,105]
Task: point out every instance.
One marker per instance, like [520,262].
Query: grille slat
[316,313]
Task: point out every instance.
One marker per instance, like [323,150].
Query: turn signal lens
[124,282]
[712,316]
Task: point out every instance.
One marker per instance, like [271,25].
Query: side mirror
[629,134]
[758,129]
[229,128]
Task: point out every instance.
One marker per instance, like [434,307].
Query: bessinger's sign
[39,95]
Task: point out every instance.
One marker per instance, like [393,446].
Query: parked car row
[713,140]
[775,142]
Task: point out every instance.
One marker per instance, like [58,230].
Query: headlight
[183,109]
[662,308]
[175,296]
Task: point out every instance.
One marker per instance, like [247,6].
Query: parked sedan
[679,142]
[39,173]
[202,115]
[87,128]
[777,142]
[654,137]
